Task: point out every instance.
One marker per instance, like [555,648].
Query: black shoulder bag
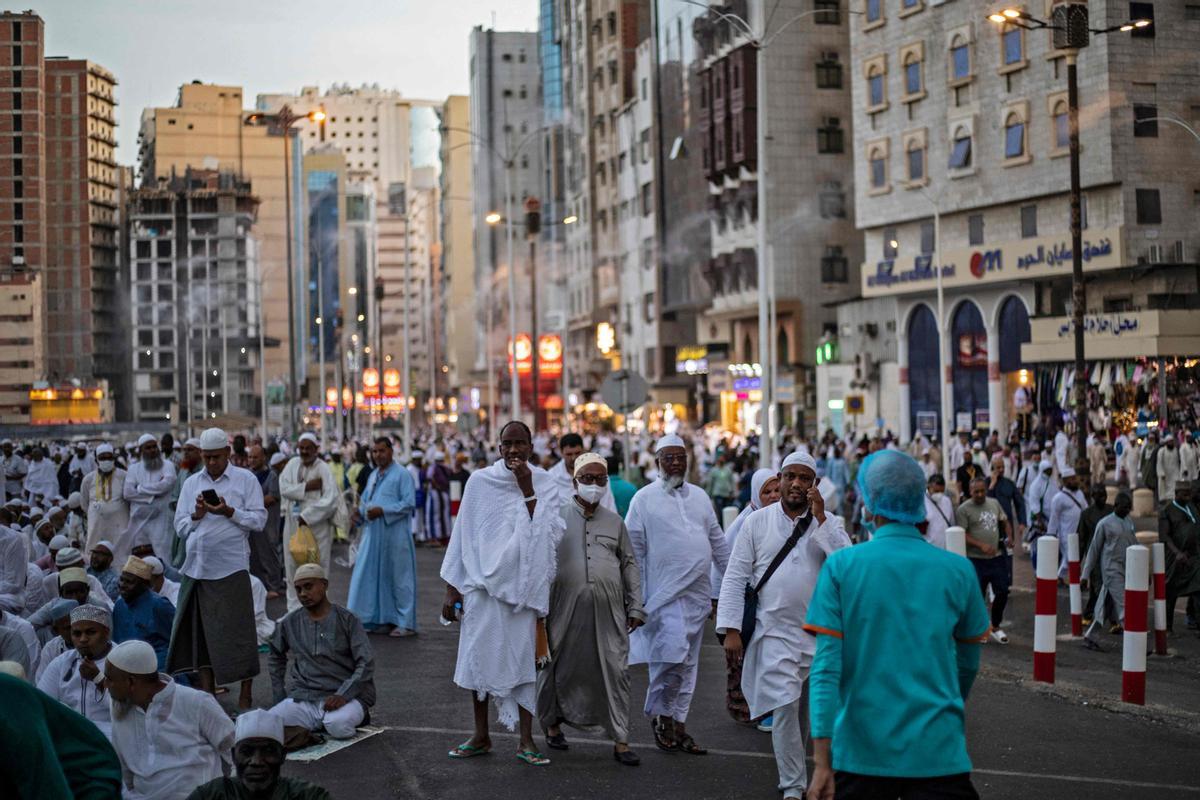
[750,602]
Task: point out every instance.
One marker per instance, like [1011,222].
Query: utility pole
[533,226]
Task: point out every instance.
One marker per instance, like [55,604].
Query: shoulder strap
[1071,497]
[797,532]
[941,513]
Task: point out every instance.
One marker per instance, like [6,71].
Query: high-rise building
[506,134]
[958,117]
[458,291]
[22,350]
[196,296]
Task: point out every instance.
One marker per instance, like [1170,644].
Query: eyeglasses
[673,459]
[593,480]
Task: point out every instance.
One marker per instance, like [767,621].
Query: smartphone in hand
[211,497]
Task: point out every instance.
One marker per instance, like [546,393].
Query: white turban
[258,724]
[308,437]
[803,459]
[584,459]
[135,657]
[670,440]
[104,449]
[214,439]
[146,438]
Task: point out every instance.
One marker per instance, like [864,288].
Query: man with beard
[498,569]
[76,678]
[1088,520]
[103,493]
[258,756]
[780,652]
[1065,510]
[310,497]
[189,464]
[1179,530]
[676,539]
[81,464]
[141,613]
[1106,555]
[41,479]
[101,568]
[148,487]
[170,738]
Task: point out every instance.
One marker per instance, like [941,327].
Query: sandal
[468,750]
[557,741]
[664,740]
[533,758]
[688,745]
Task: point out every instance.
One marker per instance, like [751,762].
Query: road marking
[579,739]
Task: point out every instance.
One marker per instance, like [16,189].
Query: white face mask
[106,465]
[590,493]
[936,496]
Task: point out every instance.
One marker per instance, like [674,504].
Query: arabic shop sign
[1103,325]
[1005,261]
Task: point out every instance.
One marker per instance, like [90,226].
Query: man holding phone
[219,507]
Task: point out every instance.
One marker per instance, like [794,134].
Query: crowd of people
[135,582]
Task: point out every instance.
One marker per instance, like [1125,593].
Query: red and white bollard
[1133,655]
[1073,581]
[1158,557]
[956,540]
[1045,621]
[456,490]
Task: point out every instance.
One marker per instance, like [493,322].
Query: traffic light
[827,350]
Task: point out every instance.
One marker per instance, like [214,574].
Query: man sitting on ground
[163,585]
[141,613]
[101,568]
[330,685]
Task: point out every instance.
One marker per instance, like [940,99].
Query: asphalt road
[1025,742]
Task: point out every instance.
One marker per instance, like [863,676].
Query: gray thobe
[1113,535]
[597,587]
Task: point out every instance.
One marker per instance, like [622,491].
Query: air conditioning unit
[1154,254]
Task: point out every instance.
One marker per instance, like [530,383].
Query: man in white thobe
[12,469]
[149,483]
[169,738]
[1168,469]
[939,511]
[498,570]
[1063,518]
[103,493]
[778,656]
[676,540]
[309,497]
[14,558]
[41,478]
[1062,451]
[563,471]
[76,678]
[81,464]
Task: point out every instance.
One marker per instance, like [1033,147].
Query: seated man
[76,678]
[59,614]
[101,568]
[140,613]
[67,558]
[330,684]
[160,583]
[258,756]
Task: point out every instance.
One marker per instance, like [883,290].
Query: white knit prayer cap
[214,439]
[147,438]
[135,657]
[670,440]
[258,724]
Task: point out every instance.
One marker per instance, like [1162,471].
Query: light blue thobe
[383,587]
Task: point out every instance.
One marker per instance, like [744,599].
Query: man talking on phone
[799,534]
[219,508]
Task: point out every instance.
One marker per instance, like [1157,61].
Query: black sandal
[661,737]
[557,741]
[688,745]
[627,758]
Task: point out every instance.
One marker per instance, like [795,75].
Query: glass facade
[322,188]
[550,52]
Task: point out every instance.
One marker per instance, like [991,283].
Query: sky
[155,46]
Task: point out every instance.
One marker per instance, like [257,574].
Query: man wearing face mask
[595,601]
[148,488]
[498,568]
[103,490]
[778,655]
[939,511]
[676,540]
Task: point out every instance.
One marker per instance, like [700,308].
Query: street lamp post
[1069,22]
[943,339]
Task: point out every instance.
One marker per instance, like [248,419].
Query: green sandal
[468,750]
[533,758]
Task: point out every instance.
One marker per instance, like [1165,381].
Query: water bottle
[457,613]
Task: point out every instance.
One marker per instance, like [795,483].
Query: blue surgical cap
[893,486]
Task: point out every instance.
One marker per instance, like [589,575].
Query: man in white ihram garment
[498,570]
[676,540]
[309,497]
[780,652]
[149,482]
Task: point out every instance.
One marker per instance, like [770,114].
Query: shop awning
[1116,336]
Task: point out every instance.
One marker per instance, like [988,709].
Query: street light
[493,218]
[1069,22]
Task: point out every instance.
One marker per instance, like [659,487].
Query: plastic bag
[303,546]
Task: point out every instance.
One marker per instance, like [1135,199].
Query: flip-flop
[660,737]
[687,744]
[533,758]
[468,750]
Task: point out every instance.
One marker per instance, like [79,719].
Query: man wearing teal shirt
[898,624]
[622,490]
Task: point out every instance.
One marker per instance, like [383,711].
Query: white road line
[577,738]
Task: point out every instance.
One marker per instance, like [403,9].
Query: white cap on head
[156,566]
[799,458]
[307,571]
[258,724]
[67,556]
[214,439]
[670,440]
[74,500]
[12,667]
[135,657]
[192,442]
[308,436]
[104,449]
[1067,472]
[277,458]
[147,438]
[1044,465]
[106,544]
[589,458]
[58,542]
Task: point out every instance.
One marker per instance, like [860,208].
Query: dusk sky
[154,46]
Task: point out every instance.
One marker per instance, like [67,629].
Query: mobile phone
[210,497]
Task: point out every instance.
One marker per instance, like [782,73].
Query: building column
[906,431]
[995,386]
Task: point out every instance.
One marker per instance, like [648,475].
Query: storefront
[738,388]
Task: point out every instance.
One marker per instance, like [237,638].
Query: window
[1191,13]
[647,199]
[975,229]
[1014,137]
[891,246]
[1012,46]
[960,60]
[831,137]
[834,265]
[1144,123]
[912,77]
[1062,127]
[875,90]
[960,152]
[927,237]
[910,3]
[1028,222]
[874,11]
[1142,11]
[916,164]
[827,12]
[1149,209]
[878,170]
[829,72]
